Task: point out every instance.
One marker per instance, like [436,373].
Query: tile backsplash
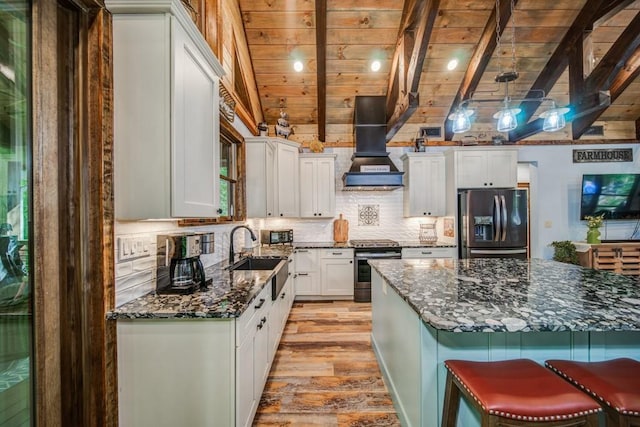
[371,215]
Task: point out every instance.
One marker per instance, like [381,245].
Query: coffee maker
[179,269]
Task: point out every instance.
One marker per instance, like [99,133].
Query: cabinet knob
[319,214]
[491,183]
[269,214]
[281,215]
[485,184]
[351,262]
[424,213]
[315,214]
[283,295]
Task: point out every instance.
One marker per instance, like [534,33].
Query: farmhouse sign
[603,155]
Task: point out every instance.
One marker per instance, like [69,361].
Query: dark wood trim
[609,9]
[418,20]
[638,129]
[73,214]
[321,65]
[46,214]
[479,61]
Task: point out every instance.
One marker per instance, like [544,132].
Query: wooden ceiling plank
[479,61]
[417,28]
[321,58]
[610,9]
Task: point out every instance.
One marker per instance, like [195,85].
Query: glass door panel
[15,286]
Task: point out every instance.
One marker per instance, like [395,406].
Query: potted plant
[594,223]
[565,251]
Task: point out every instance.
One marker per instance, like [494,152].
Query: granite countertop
[418,244]
[228,296]
[320,245]
[495,294]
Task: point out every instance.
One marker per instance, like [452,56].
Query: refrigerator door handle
[496,219]
[504,218]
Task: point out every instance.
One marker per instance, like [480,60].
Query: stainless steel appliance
[492,223]
[365,250]
[274,237]
[179,269]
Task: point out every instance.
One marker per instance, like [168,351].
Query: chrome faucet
[253,237]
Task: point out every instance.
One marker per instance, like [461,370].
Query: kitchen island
[428,311]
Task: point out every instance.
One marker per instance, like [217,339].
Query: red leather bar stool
[515,393]
[615,383]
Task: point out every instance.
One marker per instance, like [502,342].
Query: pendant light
[507,116]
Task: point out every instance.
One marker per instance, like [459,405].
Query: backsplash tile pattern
[369,215]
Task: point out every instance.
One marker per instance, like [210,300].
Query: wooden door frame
[72,205]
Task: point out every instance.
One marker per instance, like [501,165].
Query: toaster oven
[275,237]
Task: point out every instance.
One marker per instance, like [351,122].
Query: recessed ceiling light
[298,66]
[375,66]
[452,64]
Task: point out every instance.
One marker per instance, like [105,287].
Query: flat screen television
[617,196]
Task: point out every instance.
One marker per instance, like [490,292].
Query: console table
[622,257]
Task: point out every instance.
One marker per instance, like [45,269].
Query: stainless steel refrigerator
[492,224]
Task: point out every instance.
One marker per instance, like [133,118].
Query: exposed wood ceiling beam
[481,57]
[611,9]
[617,69]
[569,49]
[321,66]
[558,61]
[408,60]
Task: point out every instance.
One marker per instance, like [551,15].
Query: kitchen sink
[279,265]
[253,263]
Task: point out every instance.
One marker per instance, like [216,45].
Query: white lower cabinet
[200,372]
[336,272]
[324,272]
[306,277]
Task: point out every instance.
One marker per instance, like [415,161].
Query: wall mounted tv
[617,196]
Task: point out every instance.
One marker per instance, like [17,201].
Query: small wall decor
[263,129]
[227,105]
[448,227]
[369,215]
[316,147]
[282,126]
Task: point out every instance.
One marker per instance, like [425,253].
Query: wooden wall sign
[602,155]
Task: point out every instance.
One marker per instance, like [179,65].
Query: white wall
[555,199]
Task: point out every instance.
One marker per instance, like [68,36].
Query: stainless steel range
[363,251]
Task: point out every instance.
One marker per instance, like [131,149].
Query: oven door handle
[390,255]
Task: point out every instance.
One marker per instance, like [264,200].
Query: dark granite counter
[320,245]
[486,295]
[229,294]
[418,244]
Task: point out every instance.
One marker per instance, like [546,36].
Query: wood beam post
[321,66]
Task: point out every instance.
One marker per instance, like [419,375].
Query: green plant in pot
[594,223]
[565,251]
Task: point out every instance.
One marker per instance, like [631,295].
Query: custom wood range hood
[371,167]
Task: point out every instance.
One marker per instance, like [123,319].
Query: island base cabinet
[393,325]
[176,372]
[411,353]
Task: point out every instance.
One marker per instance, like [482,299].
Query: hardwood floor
[325,372]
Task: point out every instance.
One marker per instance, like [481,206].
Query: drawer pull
[336,253]
[303,274]
[426,252]
[260,304]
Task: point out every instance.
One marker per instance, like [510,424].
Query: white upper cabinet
[166,120]
[272,178]
[424,184]
[485,168]
[317,185]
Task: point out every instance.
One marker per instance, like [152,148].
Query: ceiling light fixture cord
[498,37]
[513,36]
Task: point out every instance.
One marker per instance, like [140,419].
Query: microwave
[274,237]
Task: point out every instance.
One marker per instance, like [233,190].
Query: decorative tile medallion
[369,215]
